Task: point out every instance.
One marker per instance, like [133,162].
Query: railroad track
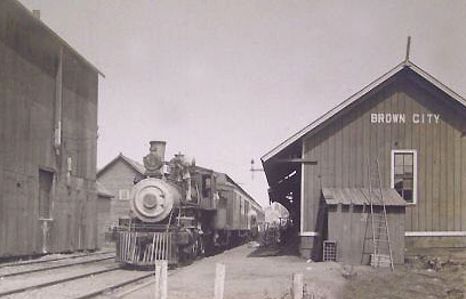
[123,293]
[58,281]
[110,288]
[55,267]
[26,263]
[94,275]
[109,279]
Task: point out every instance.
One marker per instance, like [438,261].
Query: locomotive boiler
[179,212]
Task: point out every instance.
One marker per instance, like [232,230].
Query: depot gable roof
[407,64]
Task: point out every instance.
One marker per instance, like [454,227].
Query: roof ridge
[132,163]
[135,164]
[407,63]
[61,39]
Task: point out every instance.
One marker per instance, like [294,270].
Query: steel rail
[122,284]
[136,288]
[141,286]
[55,267]
[54,282]
[112,287]
[25,263]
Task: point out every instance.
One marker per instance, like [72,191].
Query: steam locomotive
[180,211]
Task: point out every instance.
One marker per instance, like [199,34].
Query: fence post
[161,280]
[219,281]
[297,288]
[157,280]
[164,280]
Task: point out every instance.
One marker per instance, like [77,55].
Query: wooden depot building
[415,127]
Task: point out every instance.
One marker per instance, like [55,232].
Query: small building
[409,122]
[348,223]
[48,138]
[118,177]
[104,200]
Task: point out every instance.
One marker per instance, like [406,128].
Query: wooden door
[45,201]
[45,193]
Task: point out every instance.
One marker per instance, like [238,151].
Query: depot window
[404,174]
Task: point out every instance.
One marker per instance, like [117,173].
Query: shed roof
[102,191]
[407,64]
[361,196]
[132,163]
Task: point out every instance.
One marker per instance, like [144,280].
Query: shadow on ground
[279,249]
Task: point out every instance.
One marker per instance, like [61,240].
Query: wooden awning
[361,196]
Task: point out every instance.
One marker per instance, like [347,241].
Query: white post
[219,281]
[161,273]
[163,280]
[297,288]
[158,271]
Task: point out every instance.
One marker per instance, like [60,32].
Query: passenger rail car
[181,211]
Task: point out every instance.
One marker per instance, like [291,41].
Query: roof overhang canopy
[283,173]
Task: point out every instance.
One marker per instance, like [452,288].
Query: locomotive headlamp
[150,201]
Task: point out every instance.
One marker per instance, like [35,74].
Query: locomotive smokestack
[153,162]
[158,148]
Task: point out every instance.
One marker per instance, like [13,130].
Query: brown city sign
[402,118]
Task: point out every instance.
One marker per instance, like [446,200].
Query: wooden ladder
[382,255]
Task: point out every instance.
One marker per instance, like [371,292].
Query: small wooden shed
[104,198]
[348,223]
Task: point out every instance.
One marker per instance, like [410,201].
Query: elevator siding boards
[48,139]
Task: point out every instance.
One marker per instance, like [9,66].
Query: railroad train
[180,211]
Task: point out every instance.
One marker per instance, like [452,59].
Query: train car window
[206,185]
[195,194]
[242,205]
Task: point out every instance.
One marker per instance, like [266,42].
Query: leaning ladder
[382,255]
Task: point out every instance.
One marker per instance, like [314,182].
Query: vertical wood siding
[345,145]
[28,61]
[348,225]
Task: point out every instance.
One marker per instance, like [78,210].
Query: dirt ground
[440,274]
[262,273]
[252,273]
[265,273]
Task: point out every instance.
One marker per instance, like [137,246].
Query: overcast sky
[226,81]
